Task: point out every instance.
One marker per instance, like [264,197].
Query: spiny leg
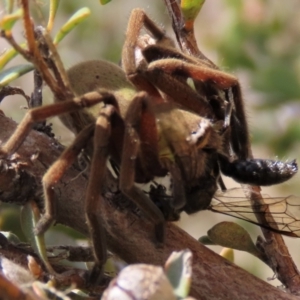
[127,170]
[42,113]
[241,125]
[158,52]
[198,72]
[179,92]
[97,173]
[138,19]
[55,173]
[94,189]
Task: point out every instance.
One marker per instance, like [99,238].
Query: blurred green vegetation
[262,38]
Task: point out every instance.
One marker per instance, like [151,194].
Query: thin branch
[34,54]
[185,38]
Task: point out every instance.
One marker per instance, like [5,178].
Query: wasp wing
[285,211]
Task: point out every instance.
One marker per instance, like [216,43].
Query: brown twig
[279,258]
[11,90]
[185,37]
[18,255]
[34,54]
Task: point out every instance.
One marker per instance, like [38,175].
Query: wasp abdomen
[258,171]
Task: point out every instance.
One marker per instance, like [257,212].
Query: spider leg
[178,91]
[41,113]
[138,19]
[158,52]
[55,173]
[97,174]
[241,134]
[130,152]
[158,56]
[199,72]
[93,196]
[235,123]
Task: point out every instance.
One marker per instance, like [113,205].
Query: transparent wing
[285,211]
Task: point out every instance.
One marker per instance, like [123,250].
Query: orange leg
[94,189]
[42,113]
[55,173]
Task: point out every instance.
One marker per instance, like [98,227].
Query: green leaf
[8,55]
[232,235]
[13,73]
[76,19]
[227,253]
[178,269]
[205,240]
[11,237]
[8,21]
[29,217]
[52,12]
[110,267]
[103,2]
[191,9]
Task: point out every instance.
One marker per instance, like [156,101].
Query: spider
[148,122]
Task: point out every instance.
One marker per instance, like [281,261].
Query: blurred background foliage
[257,40]
[262,39]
